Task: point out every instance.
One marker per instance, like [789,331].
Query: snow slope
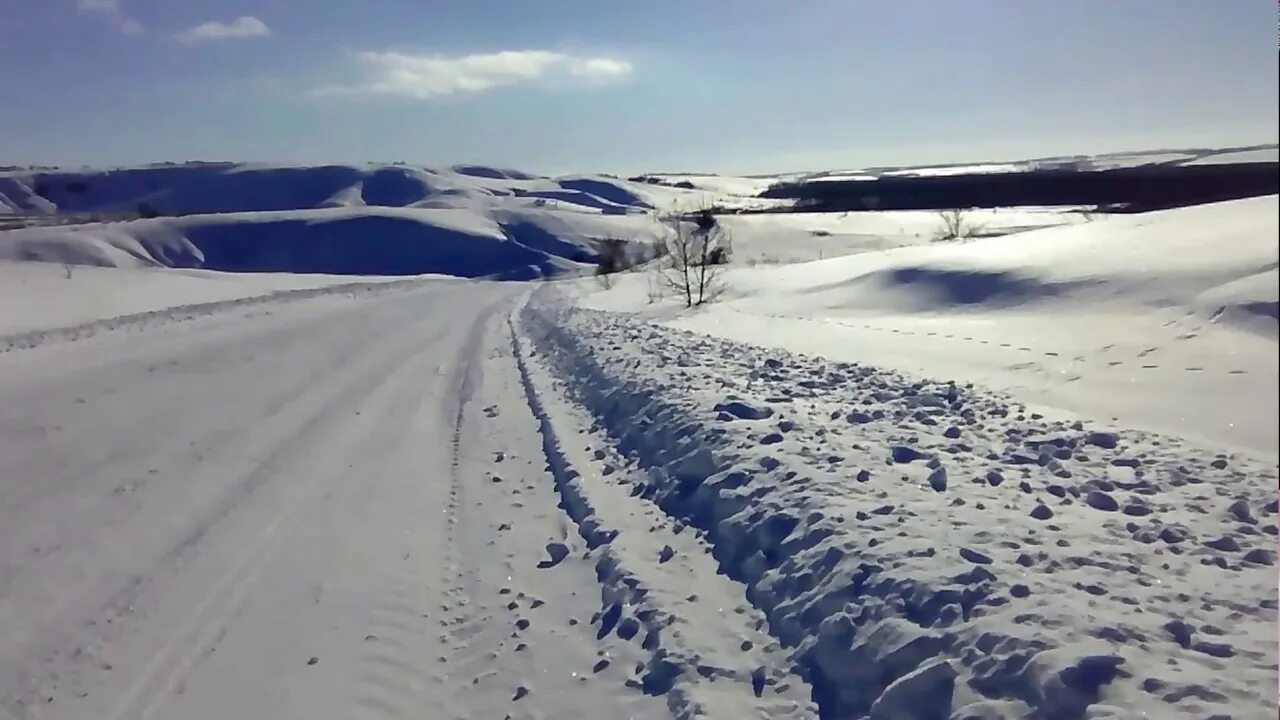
[227,187]
[780,238]
[1164,320]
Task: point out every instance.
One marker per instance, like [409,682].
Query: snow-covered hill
[204,188]
[1164,320]
[377,220]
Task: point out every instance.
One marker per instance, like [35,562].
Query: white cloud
[601,68]
[111,10]
[239,29]
[429,76]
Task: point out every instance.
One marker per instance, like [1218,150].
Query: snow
[1028,475]
[338,506]
[388,220]
[1261,155]
[1162,320]
[946,170]
[935,549]
[35,296]
[228,188]
[781,238]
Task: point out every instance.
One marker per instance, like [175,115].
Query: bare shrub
[955,225]
[612,257]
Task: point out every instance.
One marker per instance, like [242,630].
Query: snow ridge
[182,313]
[914,542]
[641,604]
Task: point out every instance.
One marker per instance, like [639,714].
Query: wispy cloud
[424,77]
[239,29]
[113,13]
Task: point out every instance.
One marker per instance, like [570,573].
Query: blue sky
[629,86]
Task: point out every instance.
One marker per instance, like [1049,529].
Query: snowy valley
[373,442]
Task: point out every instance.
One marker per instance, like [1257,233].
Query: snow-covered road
[445,499]
[334,507]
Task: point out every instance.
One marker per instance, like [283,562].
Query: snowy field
[1162,320]
[1031,475]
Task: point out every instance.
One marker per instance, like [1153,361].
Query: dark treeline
[1138,189]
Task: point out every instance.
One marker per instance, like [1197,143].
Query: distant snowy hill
[221,188]
[467,221]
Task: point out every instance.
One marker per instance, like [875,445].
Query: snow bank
[931,550]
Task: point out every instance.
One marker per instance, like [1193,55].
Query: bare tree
[69,268]
[697,250]
[955,226]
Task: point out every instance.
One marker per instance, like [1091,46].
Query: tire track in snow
[164,674]
[691,637]
[463,623]
[399,677]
